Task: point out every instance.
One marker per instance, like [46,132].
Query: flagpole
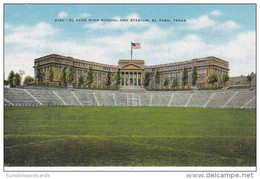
[131,51]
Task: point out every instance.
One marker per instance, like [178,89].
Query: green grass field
[129,136]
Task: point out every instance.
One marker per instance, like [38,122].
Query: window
[202,71]
[202,78]
[202,62]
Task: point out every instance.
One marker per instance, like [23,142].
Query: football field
[129,136]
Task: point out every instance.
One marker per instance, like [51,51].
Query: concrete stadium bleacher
[220,98]
[105,98]
[68,97]
[200,98]
[46,97]
[180,99]
[250,105]
[121,99]
[160,99]
[145,99]
[239,98]
[86,97]
[18,97]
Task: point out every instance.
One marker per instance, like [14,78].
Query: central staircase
[132,89]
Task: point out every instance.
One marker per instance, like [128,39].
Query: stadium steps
[199,98]
[133,99]
[180,99]
[46,97]
[220,99]
[239,99]
[251,104]
[86,97]
[132,89]
[145,99]
[68,97]
[105,99]
[160,99]
[18,97]
[121,99]
[243,98]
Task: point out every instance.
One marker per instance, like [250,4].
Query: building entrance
[131,79]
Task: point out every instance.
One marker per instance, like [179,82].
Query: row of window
[163,77]
[95,66]
[51,59]
[97,79]
[169,67]
[46,69]
[222,72]
[79,64]
[200,79]
[44,61]
[202,62]
[221,63]
[202,70]
[178,74]
[169,75]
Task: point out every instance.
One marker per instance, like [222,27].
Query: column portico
[132,71]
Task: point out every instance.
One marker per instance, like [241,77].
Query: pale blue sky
[225,31]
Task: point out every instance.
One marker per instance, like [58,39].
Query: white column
[141,79]
[137,74]
[128,81]
[124,78]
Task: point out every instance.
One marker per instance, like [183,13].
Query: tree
[51,74]
[11,79]
[80,81]
[147,78]
[70,74]
[175,82]
[166,82]
[249,79]
[157,77]
[38,73]
[63,76]
[28,81]
[109,79]
[213,78]
[118,77]
[225,78]
[5,81]
[17,80]
[185,76]
[90,76]
[194,76]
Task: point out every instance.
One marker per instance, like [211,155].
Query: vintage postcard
[130,87]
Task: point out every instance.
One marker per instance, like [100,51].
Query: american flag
[136,45]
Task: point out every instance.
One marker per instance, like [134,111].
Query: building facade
[132,71]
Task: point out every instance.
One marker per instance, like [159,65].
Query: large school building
[132,71]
